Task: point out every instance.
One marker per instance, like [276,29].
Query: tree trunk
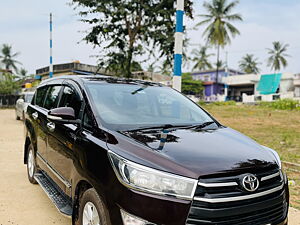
[218,57]
[129,62]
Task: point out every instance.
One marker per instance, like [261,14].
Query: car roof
[98,78]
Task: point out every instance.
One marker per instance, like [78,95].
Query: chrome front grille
[224,201]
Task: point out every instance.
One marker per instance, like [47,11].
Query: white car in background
[22,103]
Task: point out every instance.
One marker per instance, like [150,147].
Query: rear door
[61,139]
[36,113]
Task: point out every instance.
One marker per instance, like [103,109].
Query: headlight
[145,179]
[275,155]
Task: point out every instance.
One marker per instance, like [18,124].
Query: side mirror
[63,115]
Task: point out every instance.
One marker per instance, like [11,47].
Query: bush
[282,104]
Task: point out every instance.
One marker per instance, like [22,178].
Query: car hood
[201,152]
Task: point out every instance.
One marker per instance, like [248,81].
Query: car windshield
[28,97]
[132,106]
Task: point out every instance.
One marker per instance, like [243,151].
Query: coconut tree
[201,58]
[220,64]
[218,21]
[249,64]
[278,55]
[23,73]
[7,57]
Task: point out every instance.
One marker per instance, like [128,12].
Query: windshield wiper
[202,125]
[168,126]
[163,126]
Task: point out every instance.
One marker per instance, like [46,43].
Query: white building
[253,87]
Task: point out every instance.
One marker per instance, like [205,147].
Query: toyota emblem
[250,183]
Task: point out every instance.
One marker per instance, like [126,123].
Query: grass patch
[277,129]
[283,104]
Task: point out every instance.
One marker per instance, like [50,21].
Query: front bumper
[160,210]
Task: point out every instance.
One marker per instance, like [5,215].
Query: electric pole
[51,44]
[178,45]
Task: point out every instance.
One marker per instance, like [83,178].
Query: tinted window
[126,106]
[71,99]
[40,96]
[87,120]
[52,97]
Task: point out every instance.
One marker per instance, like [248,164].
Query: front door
[61,140]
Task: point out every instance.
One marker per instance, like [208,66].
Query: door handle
[35,115]
[51,126]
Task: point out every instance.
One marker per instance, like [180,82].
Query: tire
[91,202]
[31,165]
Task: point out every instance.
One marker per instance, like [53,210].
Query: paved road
[22,203]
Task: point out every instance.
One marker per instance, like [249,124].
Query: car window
[70,98]
[52,97]
[87,120]
[40,96]
[28,97]
[128,106]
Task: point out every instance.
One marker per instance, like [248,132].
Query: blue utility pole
[178,45]
[51,44]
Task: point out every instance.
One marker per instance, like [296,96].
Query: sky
[25,26]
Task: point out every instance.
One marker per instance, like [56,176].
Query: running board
[60,200]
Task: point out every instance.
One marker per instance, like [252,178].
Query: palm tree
[277,56]
[220,64]
[219,29]
[23,73]
[8,58]
[201,57]
[249,64]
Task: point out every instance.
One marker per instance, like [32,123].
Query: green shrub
[282,104]
[201,102]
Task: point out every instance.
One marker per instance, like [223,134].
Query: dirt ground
[22,203]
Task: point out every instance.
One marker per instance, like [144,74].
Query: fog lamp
[129,219]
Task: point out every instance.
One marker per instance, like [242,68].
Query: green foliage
[201,58]
[249,64]
[8,85]
[218,20]
[7,57]
[124,28]
[190,86]
[282,104]
[219,29]
[278,56]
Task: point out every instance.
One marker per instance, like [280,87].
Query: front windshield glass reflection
[130,106]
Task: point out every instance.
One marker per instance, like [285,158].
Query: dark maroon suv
[111,151]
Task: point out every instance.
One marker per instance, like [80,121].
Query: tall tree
[8,85]
[7,57]
[220,64]
[201,58]
[124,28]
[219,29]
[278,55]
[23,73]
[249,64]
